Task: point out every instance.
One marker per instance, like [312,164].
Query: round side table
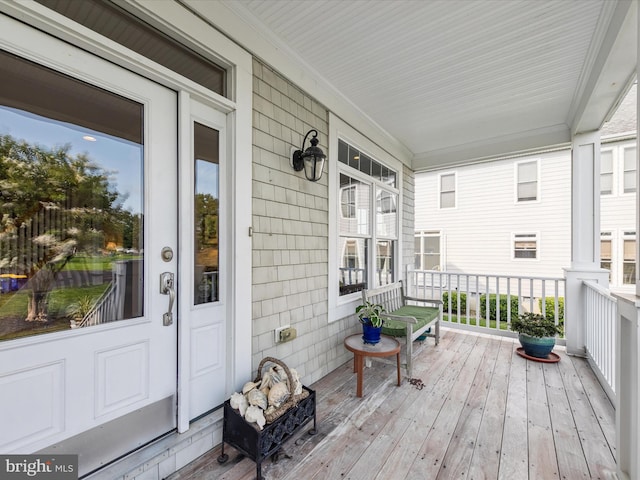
[385,348]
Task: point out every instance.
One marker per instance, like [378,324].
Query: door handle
[167,288]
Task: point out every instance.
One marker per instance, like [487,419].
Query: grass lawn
[97,262]
[13,308]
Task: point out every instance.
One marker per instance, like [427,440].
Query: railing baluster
[600,331]
[470,286]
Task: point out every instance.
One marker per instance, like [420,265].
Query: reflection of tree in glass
[53,205]
[207,218]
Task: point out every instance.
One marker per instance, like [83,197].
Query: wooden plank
[457,459]
[596,449]
[385,444]
[571,461]
[514,452]
[361,431]
[404,433]
[425,411]
[434,447]
[602,407]
[342,447]
[340,411]
[486,455]
[543,462]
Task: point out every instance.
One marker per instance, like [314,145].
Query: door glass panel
[206,214]
[71,202]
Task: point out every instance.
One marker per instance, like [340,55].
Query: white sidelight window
[527,181]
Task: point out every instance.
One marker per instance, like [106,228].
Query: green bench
[404,318]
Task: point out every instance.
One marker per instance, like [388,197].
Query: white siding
[477,233]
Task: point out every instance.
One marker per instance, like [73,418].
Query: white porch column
[628,387]
[585,235]
[628,349]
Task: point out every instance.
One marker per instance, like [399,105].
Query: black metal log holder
[260,444]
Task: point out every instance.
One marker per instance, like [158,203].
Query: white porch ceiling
[458,80]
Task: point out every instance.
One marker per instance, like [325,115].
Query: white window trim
[455,191]
[513,245]
[344,306]
[516,182]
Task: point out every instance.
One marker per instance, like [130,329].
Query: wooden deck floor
[483,413]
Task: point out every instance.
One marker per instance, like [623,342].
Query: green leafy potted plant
[536,333]
[370,317]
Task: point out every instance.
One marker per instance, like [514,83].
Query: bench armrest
[400,317]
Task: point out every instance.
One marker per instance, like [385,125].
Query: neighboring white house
[510,216]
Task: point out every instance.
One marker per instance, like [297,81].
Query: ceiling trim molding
[558,136]
[235,22]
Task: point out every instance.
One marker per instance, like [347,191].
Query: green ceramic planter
[539,347]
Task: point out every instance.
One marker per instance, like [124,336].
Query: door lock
[167,288]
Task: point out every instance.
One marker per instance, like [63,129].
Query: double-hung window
[527,181]
[629,258]
[427,250]
[367,221]
[447,182]
[606,172]
[525,245]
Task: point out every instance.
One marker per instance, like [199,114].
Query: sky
[122,159]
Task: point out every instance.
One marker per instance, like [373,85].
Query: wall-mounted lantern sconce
[312,159]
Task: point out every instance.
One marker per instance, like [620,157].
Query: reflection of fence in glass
[352,280]
[355,279]
[120,300]
[384,276]
[208,288]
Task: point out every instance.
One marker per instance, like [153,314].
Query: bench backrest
[391,296]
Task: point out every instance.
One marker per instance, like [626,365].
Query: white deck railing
[470,299]
[600,311]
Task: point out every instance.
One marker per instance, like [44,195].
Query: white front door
[88,168]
